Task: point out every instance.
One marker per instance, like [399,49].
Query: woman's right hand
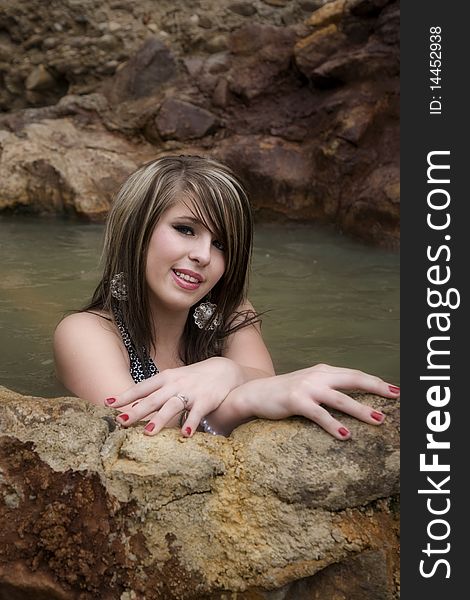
[309,393]
[160,399]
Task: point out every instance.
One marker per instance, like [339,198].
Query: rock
[250,38]
[217,63]
[364,63]
[113,26]
[43,88]
[313,51]
[354,123]
[193,65]
[264,54]
[181,120]
[209,75]
[376,203]
[217,43]
[246,9]
[40,79]
[205,22]
[50,42]
[107,42]
[54,167]
[277,173]
[310,5]
[277,508]
[145,73]
[366,8]
[277,3]
[330,13]
[220,97]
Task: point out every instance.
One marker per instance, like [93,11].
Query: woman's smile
[186,279]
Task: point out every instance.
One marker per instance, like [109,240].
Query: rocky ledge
[300,97]
[278,510]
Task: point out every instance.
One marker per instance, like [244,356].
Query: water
[329,299]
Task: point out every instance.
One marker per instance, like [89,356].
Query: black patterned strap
[138,371]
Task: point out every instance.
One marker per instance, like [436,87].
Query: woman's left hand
[199,388]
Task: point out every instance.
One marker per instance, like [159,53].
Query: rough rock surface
[61,160]
[279,510]
[301,97]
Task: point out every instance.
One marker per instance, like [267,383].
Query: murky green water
[329,299]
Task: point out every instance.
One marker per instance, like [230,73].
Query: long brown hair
[221,204]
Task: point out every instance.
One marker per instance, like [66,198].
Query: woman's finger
[348,405]
[139,390]
[350,379]
[141,409]
[310,410]
[169,411]
[192,421]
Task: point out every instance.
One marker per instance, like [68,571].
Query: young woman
[169,336]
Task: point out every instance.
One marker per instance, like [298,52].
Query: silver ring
[184,400]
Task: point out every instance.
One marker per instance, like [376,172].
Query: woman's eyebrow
[190,218]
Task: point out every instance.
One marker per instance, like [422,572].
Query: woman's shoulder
[81,332]
[78,324]
[85,318]
[245,312]
[89,355]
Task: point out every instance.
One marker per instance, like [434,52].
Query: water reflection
[329,299]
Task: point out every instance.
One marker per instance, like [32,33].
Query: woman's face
[184,260]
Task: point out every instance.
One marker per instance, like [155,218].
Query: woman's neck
[168,326]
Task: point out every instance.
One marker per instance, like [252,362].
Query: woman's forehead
[182,209]
[192,211]
[186,209]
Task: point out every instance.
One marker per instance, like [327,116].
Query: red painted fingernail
[376,415]
[110,400]
[123,417]
[188,430]
[150,427]
[394,389]
[343,431]
[135,404]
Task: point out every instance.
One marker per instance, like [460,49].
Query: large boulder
[277,510]
[60,166]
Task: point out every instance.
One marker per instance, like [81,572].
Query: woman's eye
[219,245]
[184,229]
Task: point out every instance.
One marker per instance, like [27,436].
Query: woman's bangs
[209,212]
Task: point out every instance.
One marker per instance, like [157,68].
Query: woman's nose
[201,250]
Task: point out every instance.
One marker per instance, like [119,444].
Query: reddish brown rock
[144,74]
[265,54]
[277,175]
[180,120]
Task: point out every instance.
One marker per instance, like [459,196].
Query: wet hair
[217,199]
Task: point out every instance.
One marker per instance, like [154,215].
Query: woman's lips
[184,283]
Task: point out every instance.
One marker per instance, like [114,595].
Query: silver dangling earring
[119,286]
[203,313]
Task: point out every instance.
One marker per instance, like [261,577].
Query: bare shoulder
[89,355]
[84,323]
[84,330]
[245,310]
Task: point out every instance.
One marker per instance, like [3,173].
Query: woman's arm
[204,384]
[303,393]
